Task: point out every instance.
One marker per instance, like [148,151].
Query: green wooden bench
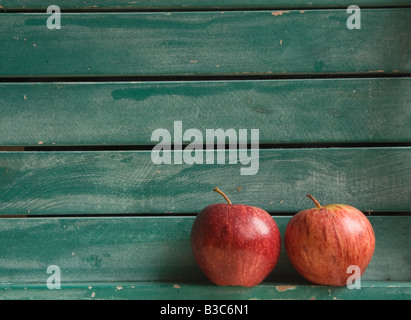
[81,200]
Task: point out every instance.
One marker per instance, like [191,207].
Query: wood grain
[124,182]
[235,43]
[284,111]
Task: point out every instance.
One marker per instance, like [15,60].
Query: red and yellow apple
[234,244]
[324,241]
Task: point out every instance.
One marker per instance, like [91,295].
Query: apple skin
[323,242]
[235,245]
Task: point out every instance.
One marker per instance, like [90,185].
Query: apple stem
[314,200]
[222,193]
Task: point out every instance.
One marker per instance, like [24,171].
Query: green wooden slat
[206,43]
[194,4]
[370,290]
[371,179]
[132,249]
[284,111]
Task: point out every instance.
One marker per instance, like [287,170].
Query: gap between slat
[188,78]
[369,213]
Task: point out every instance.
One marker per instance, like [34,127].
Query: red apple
[235,245]
[323,242]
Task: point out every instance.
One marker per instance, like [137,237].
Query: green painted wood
[205,43]
[284,111]
[133,249]
[194,4]
[370,290]
[100,182]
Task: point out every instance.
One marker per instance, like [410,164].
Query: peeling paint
[279,13]
[285,288]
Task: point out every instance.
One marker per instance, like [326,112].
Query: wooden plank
[113,182]
[197,4]
[132,249]
[158,291]
[284,111]
[205,43]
